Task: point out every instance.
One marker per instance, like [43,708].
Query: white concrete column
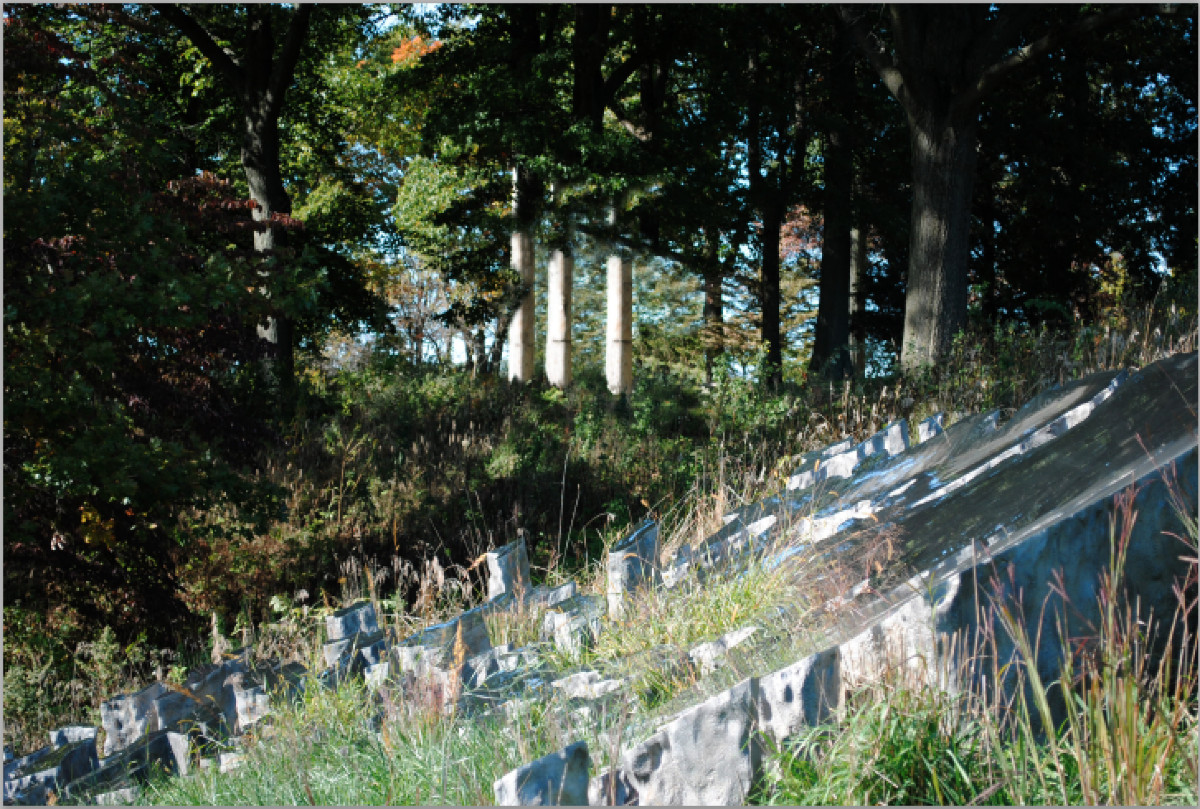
[521,347]
[558,318]
[618,360]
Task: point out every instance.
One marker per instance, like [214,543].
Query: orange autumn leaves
[411,50]
[414,48]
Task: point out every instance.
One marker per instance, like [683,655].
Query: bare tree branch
[623,119]
[1024,57]
[619,76]
[285,67]
[223,59]
[876,54]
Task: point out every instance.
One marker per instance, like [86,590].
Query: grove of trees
[214,213]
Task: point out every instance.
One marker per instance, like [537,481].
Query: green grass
[889,744]
[894,747]
[1129,733]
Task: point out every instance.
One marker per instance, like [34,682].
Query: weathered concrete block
[376,676]
[162,749]
[30,790]
[545,597]
[373,650]
[574,624]
[26,764]
[357,652]
[586,685]
[508,570]
[435,647]
[470,635]
[838,463]
[680,567]
[214,684]
[497,660]
[72,733]
[891,440]
[576,634]
[182,751]
[287,678]
[30,780]
[129,717]
[359,619]
[707,756]
[559,779]
[803,694]
[632,563]
[419,659]
[612,788]
[708,657]
[228,762]
[252,705]
[119,797]
[335,651]
[934,425]
[173,707]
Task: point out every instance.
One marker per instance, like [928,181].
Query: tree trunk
[714,304]
[261,81]
[830,354]
[589,46]
[943,158]
[858,299]
[479,348]
[497,350]
[830,348]
[769,295]
[260,161]
[945,60]
[989,289]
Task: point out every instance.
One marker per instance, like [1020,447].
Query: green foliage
[50,680]
[324,751]
[454,217]
[149,479]
[130,376]
[905,747]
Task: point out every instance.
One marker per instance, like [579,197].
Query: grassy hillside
[393,480]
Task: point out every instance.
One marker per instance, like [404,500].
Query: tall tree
[832,339]
[126,364]
[941,63]
[259,74]
[781,95]
[1088,158]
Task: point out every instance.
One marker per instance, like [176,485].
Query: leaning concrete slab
[984,514]
[707,756]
